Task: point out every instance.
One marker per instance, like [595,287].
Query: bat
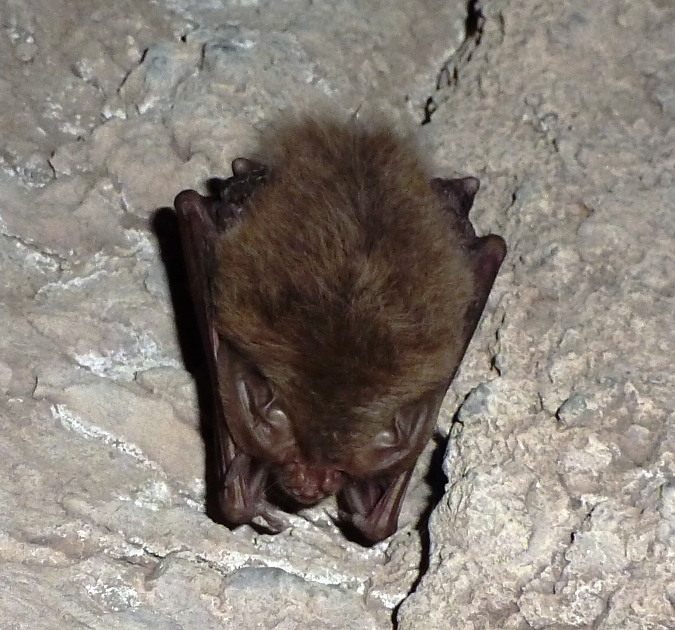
[337,288]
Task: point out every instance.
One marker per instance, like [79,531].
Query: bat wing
[249,426]
[372,505]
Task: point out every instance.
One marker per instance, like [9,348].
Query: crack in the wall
[449,74]
[74,423]
[43,259]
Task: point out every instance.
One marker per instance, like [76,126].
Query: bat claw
[272,520]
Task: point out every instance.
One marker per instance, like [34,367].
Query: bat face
[337,289]
[259,425]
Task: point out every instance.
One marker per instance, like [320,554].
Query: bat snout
[308,484]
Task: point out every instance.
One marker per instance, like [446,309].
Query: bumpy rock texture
[559,507]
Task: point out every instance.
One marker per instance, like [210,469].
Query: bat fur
[344,285]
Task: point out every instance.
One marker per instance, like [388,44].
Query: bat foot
[357,529]
[271,520]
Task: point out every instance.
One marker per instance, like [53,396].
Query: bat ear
[258,424]
[457,194]
[244,166]
[396,449]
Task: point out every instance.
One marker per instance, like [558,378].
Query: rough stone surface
[559,507]
[560,467]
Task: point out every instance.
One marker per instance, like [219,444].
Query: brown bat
[337,289]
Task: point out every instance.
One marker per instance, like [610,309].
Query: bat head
[308,471]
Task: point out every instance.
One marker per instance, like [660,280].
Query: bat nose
[308,484]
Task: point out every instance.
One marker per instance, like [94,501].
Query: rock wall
[555,506]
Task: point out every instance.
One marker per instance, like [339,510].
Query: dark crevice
[437,482]
[429,109]
[450,72]
[473,25]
